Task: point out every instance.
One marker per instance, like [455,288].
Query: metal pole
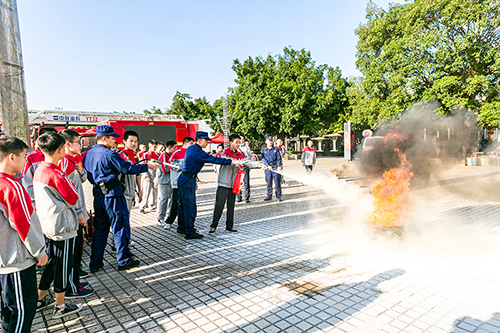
[13,107]
[226,120]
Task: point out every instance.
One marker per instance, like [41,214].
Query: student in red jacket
[22,245]
[227,181]
[33,160]
[77,174]
[147,183]
[309,156]
[56,197]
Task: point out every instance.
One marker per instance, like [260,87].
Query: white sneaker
[132,244]
[166,226]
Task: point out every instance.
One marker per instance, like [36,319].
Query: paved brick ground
[306,265]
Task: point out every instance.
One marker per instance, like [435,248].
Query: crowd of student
[42,220]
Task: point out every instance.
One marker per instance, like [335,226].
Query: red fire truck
[148,126]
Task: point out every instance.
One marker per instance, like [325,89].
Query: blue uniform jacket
[271,157]
[105,164]
[194,160]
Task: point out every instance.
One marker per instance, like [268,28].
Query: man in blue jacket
[104,167]
[194,161]
[271,157]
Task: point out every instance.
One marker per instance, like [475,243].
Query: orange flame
[388,192]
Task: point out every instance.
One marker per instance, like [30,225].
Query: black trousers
[19,297]
[78,256]
[246,182]
[309,168]
[224,194]
[174,206]
[59,268]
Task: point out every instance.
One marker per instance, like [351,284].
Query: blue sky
[124,55]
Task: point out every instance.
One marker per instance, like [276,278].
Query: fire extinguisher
[238,181]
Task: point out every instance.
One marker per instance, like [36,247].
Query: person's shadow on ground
[299,315]
[468,324]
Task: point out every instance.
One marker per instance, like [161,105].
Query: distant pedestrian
[281,147]
[271,158]
[309,156]
[142,150]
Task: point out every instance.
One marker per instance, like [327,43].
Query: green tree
[182,104]
[443,50]
[154,110]
[286,95]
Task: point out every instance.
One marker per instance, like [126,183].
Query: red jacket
[33,160]
[56,197]
[21,238]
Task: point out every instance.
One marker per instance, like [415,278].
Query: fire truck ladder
[92,117]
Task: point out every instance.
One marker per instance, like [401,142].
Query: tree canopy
[442,50]
[191,109]
[287,94]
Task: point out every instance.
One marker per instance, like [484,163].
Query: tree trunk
[13,107]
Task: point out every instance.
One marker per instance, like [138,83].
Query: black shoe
[181,231]
[239,200]
[142,211]
[194,236]
[268,198]
[83,274]
[131,263]
[247,200]
[67,310]
[45,303]
[279,199]
[232,231]
[96,269]
[212,231]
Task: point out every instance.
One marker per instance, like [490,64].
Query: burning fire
[388,193]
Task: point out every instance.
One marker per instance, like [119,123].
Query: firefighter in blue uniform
[194,160]
[271,158]
[104,167]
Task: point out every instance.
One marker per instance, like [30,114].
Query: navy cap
[104,130]
[269,138]
[202,135]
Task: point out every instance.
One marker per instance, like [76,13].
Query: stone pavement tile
[209,327]
[405,318]
[486,327]
[345,326]
[460,330]
[249,267]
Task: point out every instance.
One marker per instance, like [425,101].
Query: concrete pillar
[320,140]
[335,143]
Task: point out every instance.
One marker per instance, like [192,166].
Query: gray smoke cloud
[425,136]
